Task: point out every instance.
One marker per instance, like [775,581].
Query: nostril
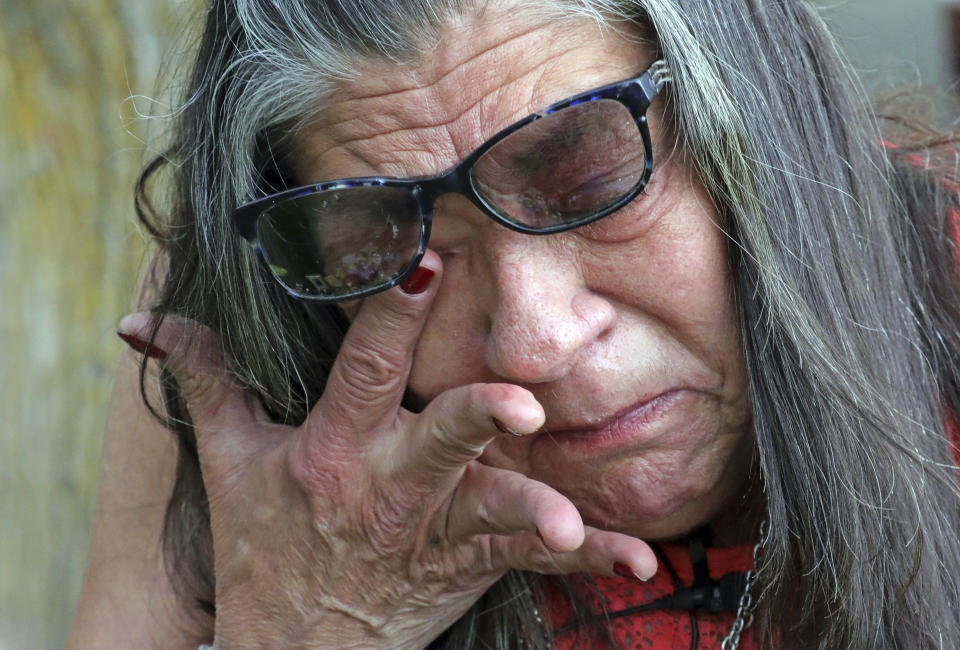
[605,335]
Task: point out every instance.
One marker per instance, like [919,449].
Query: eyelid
[629,222]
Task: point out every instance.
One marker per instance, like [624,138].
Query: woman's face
[624,330]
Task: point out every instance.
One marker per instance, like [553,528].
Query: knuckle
[540,557]
[499,552]
[201,391]
[306,470]
[535,496]
[488,511]
[370,365]
[498,392]
[395,313]
[488,554]
[395,517]
[542,560]
[527,552]
[485,516]
[489,393]
[478,396]
[463,564]
[463,406]
[436,563]
[448,447]
[302,471]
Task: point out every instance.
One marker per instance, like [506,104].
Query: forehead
[484,73]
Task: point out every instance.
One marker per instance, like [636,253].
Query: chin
[631,498]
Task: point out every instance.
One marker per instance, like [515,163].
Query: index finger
[369,376]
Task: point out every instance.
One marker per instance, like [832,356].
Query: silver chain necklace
[744,617]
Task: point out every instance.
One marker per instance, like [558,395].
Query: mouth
[636,423]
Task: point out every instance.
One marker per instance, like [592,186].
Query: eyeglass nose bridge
[456,180]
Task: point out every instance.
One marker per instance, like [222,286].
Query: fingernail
[624,571]
[418,281]
[141,346]
[505,429]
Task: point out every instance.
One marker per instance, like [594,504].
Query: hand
[368,524]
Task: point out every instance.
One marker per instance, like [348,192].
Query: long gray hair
[845,275]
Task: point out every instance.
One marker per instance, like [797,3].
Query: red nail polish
[141,346]
[624,571]
[418,281]
[504,428]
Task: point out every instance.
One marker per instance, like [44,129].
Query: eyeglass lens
[564,167]
[341,241]
[557,170]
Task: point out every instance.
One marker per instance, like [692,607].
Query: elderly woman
[586,323]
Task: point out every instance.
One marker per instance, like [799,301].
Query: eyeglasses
[569,165]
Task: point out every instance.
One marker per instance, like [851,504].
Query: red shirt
[669,629]
[658,629]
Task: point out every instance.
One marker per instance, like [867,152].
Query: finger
[192,352]
[369,376]
[491,500]
[456,427]
[602,552]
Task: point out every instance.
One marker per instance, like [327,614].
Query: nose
[543,317]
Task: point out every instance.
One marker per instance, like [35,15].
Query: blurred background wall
[69,257]
[893,42]
[70,252]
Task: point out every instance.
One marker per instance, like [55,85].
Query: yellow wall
[69,255]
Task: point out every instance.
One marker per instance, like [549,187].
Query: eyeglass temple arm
[660,72]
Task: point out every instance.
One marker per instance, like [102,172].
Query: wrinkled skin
[374,525]
[591,321]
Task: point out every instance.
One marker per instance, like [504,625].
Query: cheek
[449,351]
[676,278]
[679,268]
[698,306]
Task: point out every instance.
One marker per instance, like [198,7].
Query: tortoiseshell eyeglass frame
[636,94]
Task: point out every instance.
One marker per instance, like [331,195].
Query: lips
[636,422]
